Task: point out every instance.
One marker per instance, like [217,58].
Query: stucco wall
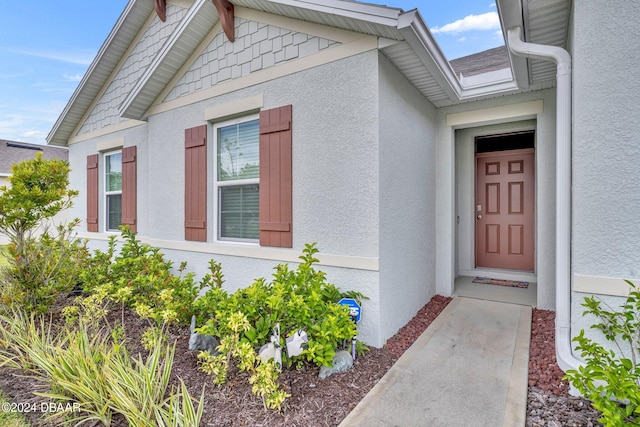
[335,164]
[407,199]
[606,145]
[335,178]
[606,148]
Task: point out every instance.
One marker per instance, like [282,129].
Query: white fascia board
[135,13]
[362,11]
[416,33]
[421,40]
[152,82]
[511,15]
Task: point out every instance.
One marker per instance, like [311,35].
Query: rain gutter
[562,59]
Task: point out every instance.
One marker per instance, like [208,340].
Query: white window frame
[105,203]
[219,184]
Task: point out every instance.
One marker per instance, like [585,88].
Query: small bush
[139,276]
[41,262]
[44,267]
[245,320]
[611,378]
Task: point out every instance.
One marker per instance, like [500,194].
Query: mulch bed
[316,402]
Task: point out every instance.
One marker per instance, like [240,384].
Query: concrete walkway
[469,368]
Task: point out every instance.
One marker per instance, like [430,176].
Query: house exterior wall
[470,118]
[335,180]
[407,136]
[606,153]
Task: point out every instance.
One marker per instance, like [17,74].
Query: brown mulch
[316,402]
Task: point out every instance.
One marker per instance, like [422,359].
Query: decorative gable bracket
[225,11]
[161,9]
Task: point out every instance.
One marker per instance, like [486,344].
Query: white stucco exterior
[606,152]
[383,156]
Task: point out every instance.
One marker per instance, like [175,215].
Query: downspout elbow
[562,59]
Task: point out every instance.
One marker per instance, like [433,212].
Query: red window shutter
[195,191]
[92,192]
[129,187]
[276,178]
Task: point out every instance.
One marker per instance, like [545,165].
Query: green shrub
[44,267]
[611,378]
[139,276]
[245,320]
[41,263]
[294,299]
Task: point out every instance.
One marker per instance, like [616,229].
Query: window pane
[114,211]
[238,151]
[113,172]
[239,218]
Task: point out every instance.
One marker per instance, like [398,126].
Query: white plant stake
[297,343]
[272,350]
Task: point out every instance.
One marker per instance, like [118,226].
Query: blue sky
[46,47]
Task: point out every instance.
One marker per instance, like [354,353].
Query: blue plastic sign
[354,308]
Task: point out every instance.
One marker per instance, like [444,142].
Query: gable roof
[403,38]
[12,152]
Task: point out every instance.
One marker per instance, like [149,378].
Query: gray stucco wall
[335,175]
[606,147]
[335,172]
[407,136]
[606,142]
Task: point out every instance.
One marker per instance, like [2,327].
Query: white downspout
[561,57]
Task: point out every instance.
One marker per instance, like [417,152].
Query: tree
[38,192]
[41,265]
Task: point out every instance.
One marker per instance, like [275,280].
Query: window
[113,190]
[236,180]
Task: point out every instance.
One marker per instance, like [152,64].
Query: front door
[505,209]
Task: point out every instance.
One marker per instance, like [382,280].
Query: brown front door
[505,209]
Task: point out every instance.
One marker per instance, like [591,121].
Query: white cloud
[72,78]
[483,22]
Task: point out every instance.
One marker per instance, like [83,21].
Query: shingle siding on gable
[257,46]
[105,112]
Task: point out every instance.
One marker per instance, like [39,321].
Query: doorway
[504,209]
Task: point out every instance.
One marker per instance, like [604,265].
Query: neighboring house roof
[403,38]
[482,62]
[13,152]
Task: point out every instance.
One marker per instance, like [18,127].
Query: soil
[316,402]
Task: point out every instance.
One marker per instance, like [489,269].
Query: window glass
[238,151]
[113,170]
[113,190]
[114,211]
[237,180]
[239,211]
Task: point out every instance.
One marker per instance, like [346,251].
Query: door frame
[464,200]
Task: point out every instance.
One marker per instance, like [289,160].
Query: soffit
[546,22]
[122,35]
[353,16]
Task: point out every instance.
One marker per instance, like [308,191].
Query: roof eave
[200,19]
[124,31]
[511,15]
